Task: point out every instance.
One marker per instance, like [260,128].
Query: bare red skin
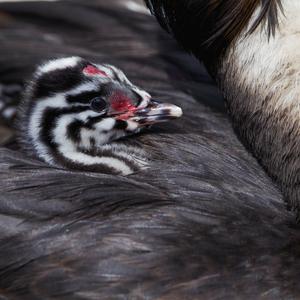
[121,103]
[92,70]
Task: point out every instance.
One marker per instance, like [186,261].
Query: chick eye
[98,104]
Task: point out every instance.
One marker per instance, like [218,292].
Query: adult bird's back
[203,222]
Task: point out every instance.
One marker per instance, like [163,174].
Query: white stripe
[66,147]
[9,112]
[58,64]
[97,134]
[136,7]
[86,87]
[37,115]
[36,120]
[69,150]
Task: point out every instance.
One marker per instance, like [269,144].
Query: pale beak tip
[176,112]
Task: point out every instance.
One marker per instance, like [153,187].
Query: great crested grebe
[251,48]
[74,109]
[203,221]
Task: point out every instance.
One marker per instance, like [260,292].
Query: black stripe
[49,118]
[84,97]
[73,130]
[93,142]
[97,168]
[109,153]
[60,80]
[93,120]
[121,125]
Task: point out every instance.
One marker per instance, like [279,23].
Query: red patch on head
[121,103]
[92,70]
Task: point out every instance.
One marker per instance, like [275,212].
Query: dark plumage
[250,47]
[208,27]
[204,222]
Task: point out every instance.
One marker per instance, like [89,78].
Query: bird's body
[204,221]
[260,78]
[252,51]
[74,110]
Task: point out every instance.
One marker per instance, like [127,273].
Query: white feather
[271,66]
[136,7]
[35,120]
[58,64]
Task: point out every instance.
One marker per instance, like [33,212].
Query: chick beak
[155,112]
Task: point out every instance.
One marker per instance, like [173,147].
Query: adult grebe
[251,48]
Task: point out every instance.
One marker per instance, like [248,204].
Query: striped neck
[77,138]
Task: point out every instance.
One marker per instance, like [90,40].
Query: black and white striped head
[74,110]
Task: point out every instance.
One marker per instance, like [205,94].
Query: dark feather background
[204,222]
[215,23]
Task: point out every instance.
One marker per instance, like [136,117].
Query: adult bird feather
[250,47]
[203,222]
